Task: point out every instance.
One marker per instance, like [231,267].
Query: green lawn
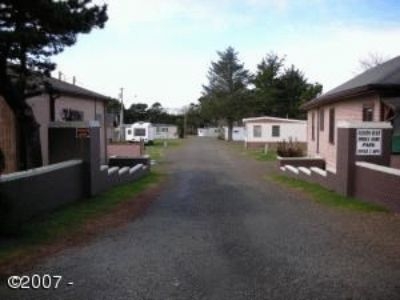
[158,148]
[70,220]
[325,196]
[257,154]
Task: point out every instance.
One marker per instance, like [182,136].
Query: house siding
[90,109]
[344,111]
[8,137]
[294,131]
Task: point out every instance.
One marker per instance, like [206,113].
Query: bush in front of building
[289,149]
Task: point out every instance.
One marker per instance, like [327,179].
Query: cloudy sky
[160,50]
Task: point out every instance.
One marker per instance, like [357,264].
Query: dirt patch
[122,214]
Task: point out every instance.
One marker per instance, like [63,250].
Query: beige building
[373,96]
[62,102]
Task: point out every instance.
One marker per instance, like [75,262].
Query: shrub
[289,149]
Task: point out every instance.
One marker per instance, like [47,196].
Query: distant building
[208,132]
[261,131]
[238,133]
[165,131]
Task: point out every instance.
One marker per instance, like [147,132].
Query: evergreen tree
[226,93]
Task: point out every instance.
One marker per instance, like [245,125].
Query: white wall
[238,133]
[294,131]
[208,132]
[170,133]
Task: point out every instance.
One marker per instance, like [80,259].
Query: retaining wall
[378,184]
[30,193]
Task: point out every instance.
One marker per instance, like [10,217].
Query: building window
[332,126]
[129,131]
[313,126]
[321,120]
[276,130]
[257,131]
[164,129]
[140,132]
[368,113]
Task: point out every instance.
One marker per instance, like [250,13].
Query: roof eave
[346,94]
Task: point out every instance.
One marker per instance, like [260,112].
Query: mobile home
[270,131]
[166,131]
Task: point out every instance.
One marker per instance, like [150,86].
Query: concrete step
[123,170]
[292,169]
[305,170]
[112,170]
[319,171]
[135,168]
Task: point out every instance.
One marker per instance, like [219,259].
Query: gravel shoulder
[219,230]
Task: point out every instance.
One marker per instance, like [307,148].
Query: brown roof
[74,90]
[383,77]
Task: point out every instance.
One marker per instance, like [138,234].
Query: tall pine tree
[226,92]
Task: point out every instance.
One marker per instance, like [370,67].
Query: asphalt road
[219,231]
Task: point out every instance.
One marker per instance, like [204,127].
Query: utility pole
[185,122]
[121,114]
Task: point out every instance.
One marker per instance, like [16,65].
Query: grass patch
[260,155]
[257,154]
[156,151]
[327,197]
[69,220]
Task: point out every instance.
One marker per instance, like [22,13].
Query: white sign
[369,142]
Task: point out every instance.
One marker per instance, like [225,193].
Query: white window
[257,131]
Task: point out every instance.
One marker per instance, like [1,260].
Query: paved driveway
[221,231]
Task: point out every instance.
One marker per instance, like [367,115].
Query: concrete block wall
[378,184]
[33,192]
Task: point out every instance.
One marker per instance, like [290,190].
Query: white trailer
[140,131]
[238,133]
[208,132]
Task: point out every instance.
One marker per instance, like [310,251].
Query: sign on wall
[82,133]
[369,142]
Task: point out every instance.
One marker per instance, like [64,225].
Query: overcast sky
[161,50]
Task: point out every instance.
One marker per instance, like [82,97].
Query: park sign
[369,142]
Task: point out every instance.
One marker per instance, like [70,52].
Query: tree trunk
[28,134]
[230,129]
[30,151]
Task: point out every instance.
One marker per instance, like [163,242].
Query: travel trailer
[140,131]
